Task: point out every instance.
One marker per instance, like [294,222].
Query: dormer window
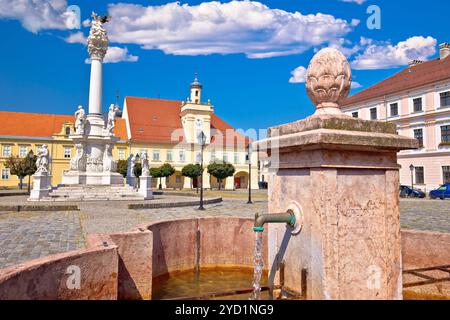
[67,131]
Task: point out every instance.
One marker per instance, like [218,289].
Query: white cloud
[387,55]
[355,1]
[247,27]
[356,85]
[116,54]
[298,75]
[36,15]
[77,37]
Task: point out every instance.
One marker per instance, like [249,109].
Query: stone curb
[13,194]
[20,208]
[173,204]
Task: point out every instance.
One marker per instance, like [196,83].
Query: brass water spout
[286,217]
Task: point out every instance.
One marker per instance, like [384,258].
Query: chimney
[444,50]
[415,62]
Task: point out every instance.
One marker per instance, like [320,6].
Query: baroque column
[94,137]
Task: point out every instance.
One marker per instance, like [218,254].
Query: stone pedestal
[145,187]
[42,184]
[342,174]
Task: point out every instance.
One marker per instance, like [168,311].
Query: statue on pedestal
[111,121]
[43,160]
[80,120]
[78,163]
[145,164]
[109,165]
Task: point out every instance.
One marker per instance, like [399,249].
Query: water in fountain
[259,264]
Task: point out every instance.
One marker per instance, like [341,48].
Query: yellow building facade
[166,129]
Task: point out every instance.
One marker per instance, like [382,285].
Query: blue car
[407,192]
[442,192]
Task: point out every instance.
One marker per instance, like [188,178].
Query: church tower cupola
[196,91]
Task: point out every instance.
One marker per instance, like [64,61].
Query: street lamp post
[202,141]
[411,168]
[249,157]
[30,160]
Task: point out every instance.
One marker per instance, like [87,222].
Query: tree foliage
[192,171]
[167,170]
[21,167]
[122,167]
[137,170]
[221,171]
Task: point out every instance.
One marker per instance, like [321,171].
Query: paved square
[30,235]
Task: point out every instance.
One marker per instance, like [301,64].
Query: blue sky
[245,52]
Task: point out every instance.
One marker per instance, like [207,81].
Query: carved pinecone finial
[328,80]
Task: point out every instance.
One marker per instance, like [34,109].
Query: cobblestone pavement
[433,215]
[29,235]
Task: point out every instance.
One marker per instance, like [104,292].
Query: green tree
[192,171]
[137,171]
[221,171]
[22,167]
[122,167]
[166,170]
[155,172]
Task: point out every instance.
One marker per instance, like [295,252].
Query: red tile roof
[154,121]
[410,78]
[38,125]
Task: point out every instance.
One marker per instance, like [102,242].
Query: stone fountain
[341,178]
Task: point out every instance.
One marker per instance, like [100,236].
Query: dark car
[407,192]
[442,192]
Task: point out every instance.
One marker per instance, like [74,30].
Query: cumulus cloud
[387,55]
[36,15]
[355,1]
[298,75]
[356,85]
[77,37]
[247,27]
[117,54]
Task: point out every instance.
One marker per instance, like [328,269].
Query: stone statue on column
[131,179]
[98,37]
[42,178]
[80,120]
[145,180]
[145,164]
[43,159]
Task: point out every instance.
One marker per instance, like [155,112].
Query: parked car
[407,192]
[442,192]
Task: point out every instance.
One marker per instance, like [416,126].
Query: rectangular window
[373,114]
[6,151]
[178,179]
[213,156]
[155,155]
[23,151]
[418,134]
[355,114]
[236,158]
[121,154]
[169,155]
[394,110]
[445,99]
[446,174]
[420,177]
[67,152]
[182,156]
[445,134]
[5,174]
[417,103]
[225,157]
